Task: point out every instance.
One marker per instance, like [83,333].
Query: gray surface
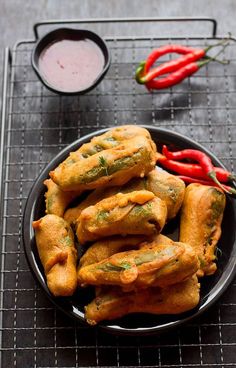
[18,16]
[35,334]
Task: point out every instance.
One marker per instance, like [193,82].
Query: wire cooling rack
[36,124]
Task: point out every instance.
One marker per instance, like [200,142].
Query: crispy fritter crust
[57,252]
[113,303]
[200,224]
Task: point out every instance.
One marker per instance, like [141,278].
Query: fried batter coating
[56,200]
[57,252]
[138,212]
[156,240]
[158,265]
[115,166]
[200,224]
[106,247]
[72,214]
[167,187]
[112,303]
[111,139]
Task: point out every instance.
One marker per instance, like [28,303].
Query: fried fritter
[106,247]
[57,252]
[156,265]
[72,214]
[56,200]
[135,213]
[112,303]
[165,186]
[200,224]
[115,166]
[111,139]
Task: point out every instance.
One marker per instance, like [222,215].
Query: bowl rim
[218,289]
[95,37]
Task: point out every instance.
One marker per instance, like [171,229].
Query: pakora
[165,186]
[200,223]
[156,265]
[111,139]
[106,247]
[72,214]
[57,252]
[56,200]
[115,166]
[112,303]
[135,213]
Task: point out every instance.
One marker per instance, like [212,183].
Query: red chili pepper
[143,77]
[163,50]
[175,77]
[188,179]
[196,155]
[194,170]
[179,69]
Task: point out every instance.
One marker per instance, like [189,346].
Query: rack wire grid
[36,125]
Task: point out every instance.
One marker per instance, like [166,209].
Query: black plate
[137,324]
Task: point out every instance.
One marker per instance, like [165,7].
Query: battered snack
[200,224]
[115,166]
[56,200]
[113,303]
[135,213]
[111,139]
[156,265]
[58,255]
[72,214]
[155,241]
[106,247]
[167,187]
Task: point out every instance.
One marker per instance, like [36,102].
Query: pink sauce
[71,65]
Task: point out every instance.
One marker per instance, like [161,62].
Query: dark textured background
[35,334]
[18,16]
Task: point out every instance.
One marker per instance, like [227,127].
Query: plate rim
[75,313]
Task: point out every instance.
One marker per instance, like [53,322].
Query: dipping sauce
[71,65]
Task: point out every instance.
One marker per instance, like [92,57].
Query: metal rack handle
[124,20]
[6,62]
